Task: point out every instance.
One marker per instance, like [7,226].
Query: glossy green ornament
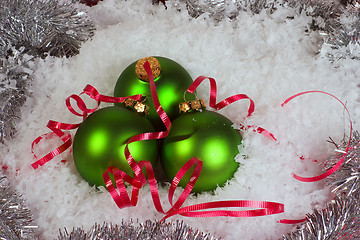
[101,139]
[210,137]
[170,85]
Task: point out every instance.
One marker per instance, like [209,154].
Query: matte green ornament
[210,137]
[100,141]
[171,81]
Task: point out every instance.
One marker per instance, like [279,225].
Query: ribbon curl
[342,159]
[228,101]
[58,127]
[335,167]
[213,93]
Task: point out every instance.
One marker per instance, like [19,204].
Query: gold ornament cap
[192,105]
[139,107]
[141,72]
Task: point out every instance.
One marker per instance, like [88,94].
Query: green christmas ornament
[171,81]
[210,137]
[100,141]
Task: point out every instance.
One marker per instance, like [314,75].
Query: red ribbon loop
[335,167]
[342,159]
[184,169]
[227,101]
[194,177]
[58,127]
[213,93]
[122,199]
[62,148]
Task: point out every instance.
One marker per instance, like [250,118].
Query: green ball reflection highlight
[100,142]
[210,137]
[170,86]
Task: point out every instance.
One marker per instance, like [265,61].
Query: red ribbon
[228,101]
[330,171]
[266,208]
[289,221]
[341,161]
[260,130]
[213,93]
[66,138]
[58,127]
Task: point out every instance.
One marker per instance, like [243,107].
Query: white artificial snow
[267,57]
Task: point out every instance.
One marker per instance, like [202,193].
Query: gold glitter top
[140,70]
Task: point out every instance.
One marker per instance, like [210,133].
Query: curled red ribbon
[335,167]
[341,160]
[213,93]
[58,127]
[228,101]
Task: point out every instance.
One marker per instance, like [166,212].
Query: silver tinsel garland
[15,77]
[219,9]
[338,22]
[346,181]
[339,220]
[29,29]
[345,38]
[128,230]
[43,27]
[15,218]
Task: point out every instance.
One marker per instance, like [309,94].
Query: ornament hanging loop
[184,96]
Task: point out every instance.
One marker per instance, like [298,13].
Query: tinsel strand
[338,23]
[219,9]
[30,29]
[44,26]
[15,78]
[130,230]
[15,218]
[345,37]
[346,181]
[340,219]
